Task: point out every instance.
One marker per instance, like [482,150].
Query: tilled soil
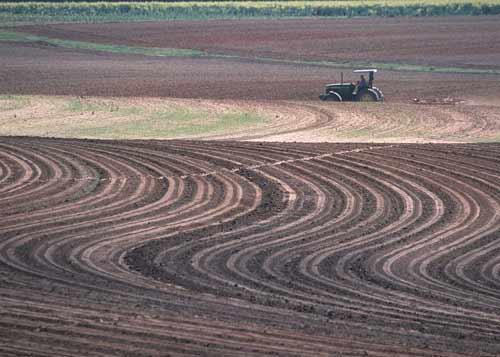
[228,248]
[33,69]
[170,248]
[471,42]
[283,121]
[440,41]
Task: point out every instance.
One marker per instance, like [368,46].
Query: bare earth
[270,240]
[248,249]
[290,121]
[465,42]
[440,41]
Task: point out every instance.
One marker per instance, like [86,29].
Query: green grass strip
[146,51]
[17,37]
[172,124]
[400,67]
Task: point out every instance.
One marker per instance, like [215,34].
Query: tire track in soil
[225,248]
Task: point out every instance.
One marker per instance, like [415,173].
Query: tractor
[340,92]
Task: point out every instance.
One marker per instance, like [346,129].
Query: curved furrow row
[35,169]
[46,250]
[12,167]
[227,248]
[371,269]
[486,201]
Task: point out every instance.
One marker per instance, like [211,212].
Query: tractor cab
[340,92]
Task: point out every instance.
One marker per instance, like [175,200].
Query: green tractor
[350,92]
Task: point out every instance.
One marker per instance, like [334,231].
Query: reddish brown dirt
[441,41]
[467,42]
[29,69]
[244,249]
[228,248]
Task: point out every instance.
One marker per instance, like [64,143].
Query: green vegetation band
[120,11]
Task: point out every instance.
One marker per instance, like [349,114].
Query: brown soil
[230,248]
[290,121]
[26,69]
[467,42]
[440,41]
[234,248]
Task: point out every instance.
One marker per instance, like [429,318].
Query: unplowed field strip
[156,248]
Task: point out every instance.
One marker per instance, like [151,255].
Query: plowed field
[171,248]
[469,43]
[279,243]
[440,41]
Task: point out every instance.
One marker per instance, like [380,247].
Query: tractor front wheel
[333,97]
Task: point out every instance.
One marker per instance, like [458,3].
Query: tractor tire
[333,97]
[379,93]
[368,95]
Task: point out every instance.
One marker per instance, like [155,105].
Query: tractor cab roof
[365,70]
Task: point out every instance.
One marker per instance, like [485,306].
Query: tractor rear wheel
[367,96]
